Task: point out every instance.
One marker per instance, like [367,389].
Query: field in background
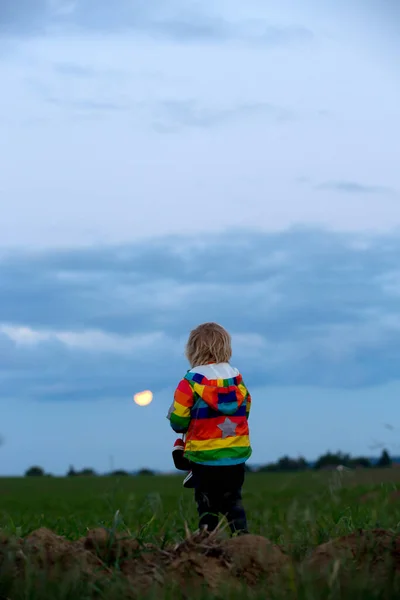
[296,511]
[309,506]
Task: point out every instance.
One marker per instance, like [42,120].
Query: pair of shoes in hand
[181,463]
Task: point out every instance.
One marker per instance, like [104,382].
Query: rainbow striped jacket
[214,415]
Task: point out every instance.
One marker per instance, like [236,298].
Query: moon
[143,398]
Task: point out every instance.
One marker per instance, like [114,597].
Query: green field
[298,512]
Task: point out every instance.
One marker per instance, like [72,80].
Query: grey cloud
[165,116]
[159,19]
[52,372]
[353,187]
[78,71]
[276,36]
[87,105]
[301,179]
[192,29]
[170,19]
[83,103]
[74,70]
[173,115]
[307,307]
[178,21]
[24,16]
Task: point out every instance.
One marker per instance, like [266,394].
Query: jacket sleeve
[247,398]
[180,411]
[248,404]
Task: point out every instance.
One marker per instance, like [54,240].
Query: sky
[169,162]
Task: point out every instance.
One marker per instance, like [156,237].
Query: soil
[199,561]
[376,551]
[252,557]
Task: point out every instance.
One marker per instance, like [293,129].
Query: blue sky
[167,163]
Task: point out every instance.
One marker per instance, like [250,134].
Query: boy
[211,406]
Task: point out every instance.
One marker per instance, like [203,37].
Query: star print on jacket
[228,428]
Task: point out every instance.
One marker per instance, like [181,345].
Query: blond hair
[208,343]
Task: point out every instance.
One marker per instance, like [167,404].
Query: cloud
[173,115]
[86,104]
[172,19]
[166,116]
[74,70]
[305,307]
[353,187]
[24,17]
[95,341]
[74,99]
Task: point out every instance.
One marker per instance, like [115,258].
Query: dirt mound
[140,564]
[110,547]
[196,562]
[192,570]
[253,557]
[50,552]
[200,560]
[376,550]
[210,560]
[51,555]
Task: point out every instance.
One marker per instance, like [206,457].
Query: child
[211,406]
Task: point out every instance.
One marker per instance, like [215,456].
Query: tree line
[37,471]
[329,460]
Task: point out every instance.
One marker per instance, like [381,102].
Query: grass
[296,511]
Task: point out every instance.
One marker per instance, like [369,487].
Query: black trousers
[218,491]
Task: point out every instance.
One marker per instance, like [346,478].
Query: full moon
[143,398]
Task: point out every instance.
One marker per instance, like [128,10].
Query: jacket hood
[222,395]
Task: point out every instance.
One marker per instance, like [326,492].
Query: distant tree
[268,468]
[286,464]
[145,472]
[384,460]
[360,462]
[119,473]
[35,472]
[333,460]
[87,472]
[292,464]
